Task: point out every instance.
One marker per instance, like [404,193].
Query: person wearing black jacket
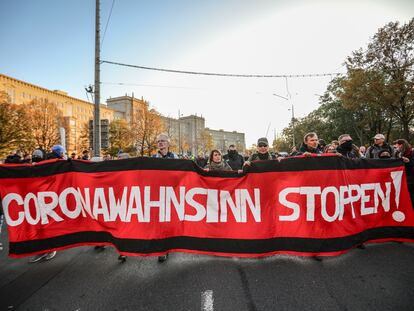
[379,145]
[233,158]
[201,160]
[1,224]
[262,152]
[85,155]
[310,145]
[346,147]
[14,158]
[405,153]
[58,152]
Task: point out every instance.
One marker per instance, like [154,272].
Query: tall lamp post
[97,89]
[292,109]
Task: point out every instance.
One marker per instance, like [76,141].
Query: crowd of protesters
[233,161]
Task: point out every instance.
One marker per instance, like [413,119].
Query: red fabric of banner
[163,205]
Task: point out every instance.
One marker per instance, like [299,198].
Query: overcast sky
[51,43]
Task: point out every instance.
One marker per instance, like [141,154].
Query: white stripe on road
[207,300]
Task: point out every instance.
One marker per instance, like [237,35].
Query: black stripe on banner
[144,163]
[236,246]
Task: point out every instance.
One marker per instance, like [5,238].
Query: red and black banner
[147,206]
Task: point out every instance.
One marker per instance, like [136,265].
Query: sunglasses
[262,145]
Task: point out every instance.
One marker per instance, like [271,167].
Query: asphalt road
[379,277]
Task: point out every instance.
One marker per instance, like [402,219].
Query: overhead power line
[107,22]
[152,85]
[308,75]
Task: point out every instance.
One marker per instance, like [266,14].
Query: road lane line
[207,300]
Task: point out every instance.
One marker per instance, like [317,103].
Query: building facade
[189,135]
[223,139]
[76,112]
[126,107]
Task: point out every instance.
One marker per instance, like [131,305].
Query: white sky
[303,38]
[50,43]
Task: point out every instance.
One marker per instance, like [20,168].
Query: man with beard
[262,152]
[346,148]
[310,144]
[233,158]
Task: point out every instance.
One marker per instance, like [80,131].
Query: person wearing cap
[310,144]
[262,152]
[379,145]
[58,152]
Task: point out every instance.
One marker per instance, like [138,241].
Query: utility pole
[289,99]
[293,125]
[179,132]
[96,115]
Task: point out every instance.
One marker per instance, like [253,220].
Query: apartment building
[76,112]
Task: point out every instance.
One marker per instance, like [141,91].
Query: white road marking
[207,300]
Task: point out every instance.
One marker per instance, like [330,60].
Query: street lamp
[293,115]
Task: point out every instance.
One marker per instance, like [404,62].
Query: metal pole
[293,124]
[96,115]
[179,133]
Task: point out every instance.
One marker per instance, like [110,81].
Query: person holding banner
[346,148]
[39,156]
[58,152]
[310,145]
[233,158]
[163,144]
[406,154]
[1,225]
[262,152]
[216,162]
[379,145]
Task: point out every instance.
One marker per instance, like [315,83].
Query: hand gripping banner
[146,206]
